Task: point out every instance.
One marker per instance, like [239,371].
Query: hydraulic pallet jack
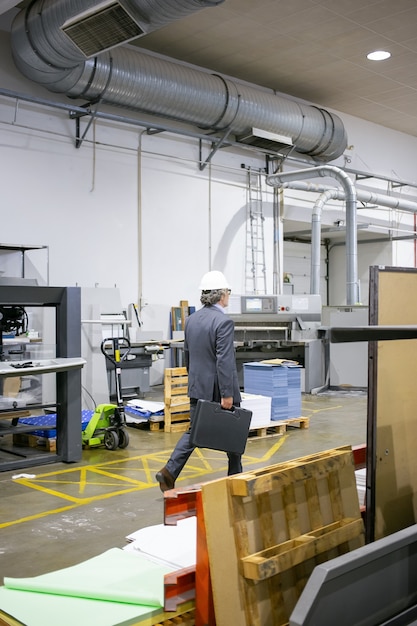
[108,423]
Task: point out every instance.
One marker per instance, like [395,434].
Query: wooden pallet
[279,427]
[277,524]
[177,403]
[34,441]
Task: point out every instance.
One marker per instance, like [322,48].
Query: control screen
[257,304]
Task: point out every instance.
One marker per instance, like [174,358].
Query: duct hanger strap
[231,106]
[328,133]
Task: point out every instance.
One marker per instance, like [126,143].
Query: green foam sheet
[117,586]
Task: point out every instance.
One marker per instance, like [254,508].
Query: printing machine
[280,326]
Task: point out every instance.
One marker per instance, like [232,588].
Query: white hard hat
[213,280]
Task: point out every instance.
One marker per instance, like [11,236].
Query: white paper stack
[137,411]
[170,545]
[361,485]
[260,407]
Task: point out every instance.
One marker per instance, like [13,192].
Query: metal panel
[369,586]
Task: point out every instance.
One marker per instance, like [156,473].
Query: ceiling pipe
[137,80]
[352,285]
[329,193]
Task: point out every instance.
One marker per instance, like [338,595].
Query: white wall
[134,210]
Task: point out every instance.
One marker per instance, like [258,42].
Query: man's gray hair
[212,297]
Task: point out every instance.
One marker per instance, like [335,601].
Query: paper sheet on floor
[114,576]
[172,545]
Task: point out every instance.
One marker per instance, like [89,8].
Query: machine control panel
[282,307]
[259,304]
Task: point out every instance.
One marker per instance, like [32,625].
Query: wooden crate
[177,403]
[277,524]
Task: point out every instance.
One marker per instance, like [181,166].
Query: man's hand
[227,403]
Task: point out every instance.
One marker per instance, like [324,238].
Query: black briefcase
[220,429]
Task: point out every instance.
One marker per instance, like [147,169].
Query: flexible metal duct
[352,284]
[134,79]
[329,193]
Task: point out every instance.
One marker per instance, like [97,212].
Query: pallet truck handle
[117,343]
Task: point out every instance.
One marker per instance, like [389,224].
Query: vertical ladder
[255,282]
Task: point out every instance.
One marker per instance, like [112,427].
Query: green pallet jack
[108,423]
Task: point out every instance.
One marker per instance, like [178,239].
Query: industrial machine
[280,326]
[103,316]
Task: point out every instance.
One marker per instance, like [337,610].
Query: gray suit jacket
[210,356]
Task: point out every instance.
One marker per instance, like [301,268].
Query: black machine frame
[67,304]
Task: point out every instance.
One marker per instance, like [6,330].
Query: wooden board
[392,403]
[224,567]
[268,529]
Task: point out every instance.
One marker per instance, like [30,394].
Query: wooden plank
[184,312]
[12,415]
[224,571]
[276,476]
[275,560]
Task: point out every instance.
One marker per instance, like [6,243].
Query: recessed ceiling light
[378,55]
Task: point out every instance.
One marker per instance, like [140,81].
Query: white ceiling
[314,50]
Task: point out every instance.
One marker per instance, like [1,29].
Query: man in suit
[211,364]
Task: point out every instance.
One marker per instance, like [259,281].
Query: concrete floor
[67,513]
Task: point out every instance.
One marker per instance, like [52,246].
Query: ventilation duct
[101,28]
[44,53]
[267,141]
[329,193]
[277,180]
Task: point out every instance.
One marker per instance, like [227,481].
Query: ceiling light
[378,55]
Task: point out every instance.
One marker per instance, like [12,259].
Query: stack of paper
[360,475]
[294,391]
[137,411]
[260,407]
[174,546]
[281,381]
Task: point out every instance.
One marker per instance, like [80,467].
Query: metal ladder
[255,281]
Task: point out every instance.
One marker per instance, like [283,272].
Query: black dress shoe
[165,479]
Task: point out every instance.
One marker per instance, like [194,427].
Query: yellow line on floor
[269,454]
[76,504]
[99,470]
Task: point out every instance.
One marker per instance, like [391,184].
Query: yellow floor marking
[83,480]
[85,477]
[31,518]
[270,453]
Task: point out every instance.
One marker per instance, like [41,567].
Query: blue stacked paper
[280,382]
[267,380]
[50,421]
[294,391]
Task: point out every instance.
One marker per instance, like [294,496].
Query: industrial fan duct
[74,47]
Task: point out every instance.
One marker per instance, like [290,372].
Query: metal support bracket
[215,146]
[77,116]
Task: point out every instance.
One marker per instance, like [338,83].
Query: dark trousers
[184,449]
